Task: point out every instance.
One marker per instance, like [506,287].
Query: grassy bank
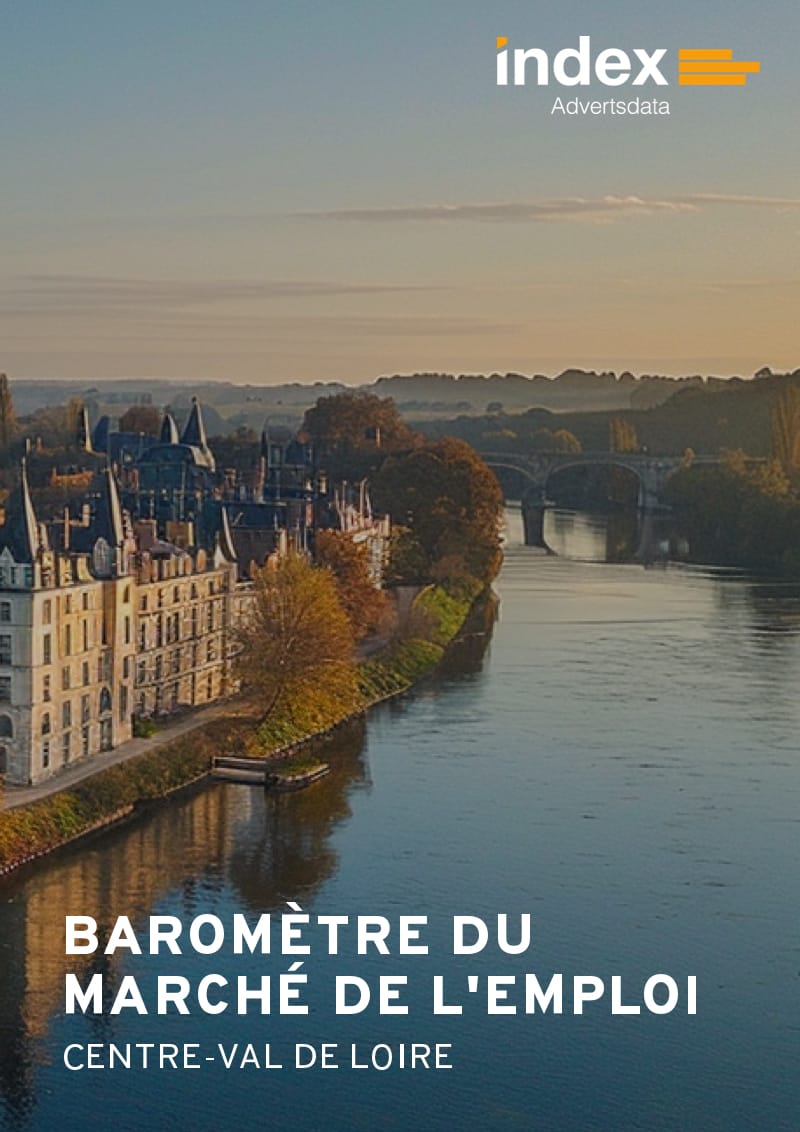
[30,831]
[436,616]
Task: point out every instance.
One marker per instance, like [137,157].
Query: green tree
[451,502]
[365,605]
[296,647]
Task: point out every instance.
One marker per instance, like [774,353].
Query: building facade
[126,607]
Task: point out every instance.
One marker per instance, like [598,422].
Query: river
[621,762]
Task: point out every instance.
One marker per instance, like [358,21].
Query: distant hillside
[708,418]
[420,397]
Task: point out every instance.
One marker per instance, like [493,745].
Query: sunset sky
[268,192]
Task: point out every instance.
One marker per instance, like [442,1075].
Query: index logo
[574,67]
[713,66]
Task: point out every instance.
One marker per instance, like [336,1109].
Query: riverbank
[31,830]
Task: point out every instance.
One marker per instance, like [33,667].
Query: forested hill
[705,418]
[423,396]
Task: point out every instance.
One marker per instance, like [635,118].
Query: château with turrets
[124,607]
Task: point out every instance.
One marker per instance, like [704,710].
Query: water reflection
[267,847]
[590,537]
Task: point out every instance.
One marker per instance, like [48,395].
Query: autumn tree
[352,431]
[622,436]
[451,503]
[7,419]
[141,418]
[55,425]
[785,429]
[365,605]
[296,648]
[567,441]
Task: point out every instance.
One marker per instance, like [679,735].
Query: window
[85,741]
[176,593]
[68,640]
[143,603]
[45,754]
[85,599]
[5,648]
[126,667]
[159,632]
[66,714]
[105,701]
[176,661]
[210,688]
[86,711]
[66,746]
[47,649]
[127,630]
[141,672]
[126,595]
[85,672]
[6,727]
[46,689]
[46,723]
[160,599]
[5,689]
[65,678]
[68,604]
[211,651]
[5,610]
[123,702]
[85,635]
[142,637]
[159,668]
[47,611]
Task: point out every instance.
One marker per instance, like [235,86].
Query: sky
[269,191]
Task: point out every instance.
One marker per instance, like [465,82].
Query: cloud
[71,294]
[592,210]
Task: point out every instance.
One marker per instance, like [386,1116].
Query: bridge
[537,468]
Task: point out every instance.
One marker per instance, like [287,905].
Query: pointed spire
[84,437]
[114,508]
[20,533]
[30,524]
[100,435]
[169,430]
[194,431]
[226,537]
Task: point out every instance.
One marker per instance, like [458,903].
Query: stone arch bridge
[537,468]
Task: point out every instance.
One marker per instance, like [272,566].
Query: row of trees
[298,651]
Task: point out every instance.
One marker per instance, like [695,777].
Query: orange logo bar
[712,66]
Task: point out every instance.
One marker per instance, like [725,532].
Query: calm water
[622,762]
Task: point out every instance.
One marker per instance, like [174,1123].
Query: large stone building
[126,608]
